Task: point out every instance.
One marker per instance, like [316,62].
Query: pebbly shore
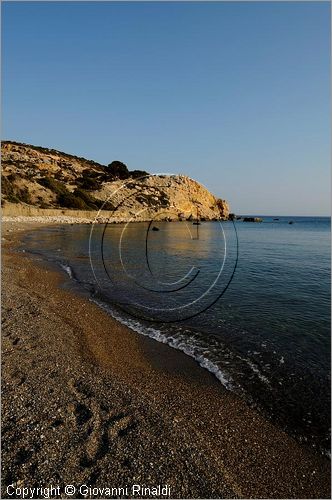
[86,401]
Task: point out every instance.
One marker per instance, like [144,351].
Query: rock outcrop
[49,179]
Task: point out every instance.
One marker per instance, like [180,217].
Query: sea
[249,301]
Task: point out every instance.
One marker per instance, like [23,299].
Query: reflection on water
[267,338]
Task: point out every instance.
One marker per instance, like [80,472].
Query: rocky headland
[40,182]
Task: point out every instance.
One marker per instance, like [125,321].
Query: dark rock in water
[291,222]
[232,217]
[252,219]
[276,219]
[155,228]
[196,223]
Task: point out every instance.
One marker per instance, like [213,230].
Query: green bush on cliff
[69,200]
[118,169]
[89,200]
[136,174]
[92,202]
[55,186]
[64,197]
[7,188]
[90,181]
[24,195]
[79,199]
[14,194]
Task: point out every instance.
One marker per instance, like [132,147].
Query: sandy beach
[87,401]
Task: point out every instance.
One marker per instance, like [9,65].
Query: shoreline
[64,217]
[130,409]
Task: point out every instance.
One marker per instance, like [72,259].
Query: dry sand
[87,401]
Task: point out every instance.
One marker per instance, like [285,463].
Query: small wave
[68,270]
[256,370]
[180,343]
[259,374]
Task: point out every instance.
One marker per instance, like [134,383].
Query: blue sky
[235,95]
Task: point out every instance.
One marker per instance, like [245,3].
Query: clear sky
[235,95]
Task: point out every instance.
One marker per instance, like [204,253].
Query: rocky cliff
[49,179]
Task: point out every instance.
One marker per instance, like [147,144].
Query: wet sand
[87,401]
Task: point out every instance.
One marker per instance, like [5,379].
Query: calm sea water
[249,301]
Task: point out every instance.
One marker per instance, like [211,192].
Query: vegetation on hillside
[47,178]
[25,171]
[42,149]
[13,193]
[79,199]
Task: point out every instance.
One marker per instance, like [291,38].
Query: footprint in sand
[81,412]
[104,434]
